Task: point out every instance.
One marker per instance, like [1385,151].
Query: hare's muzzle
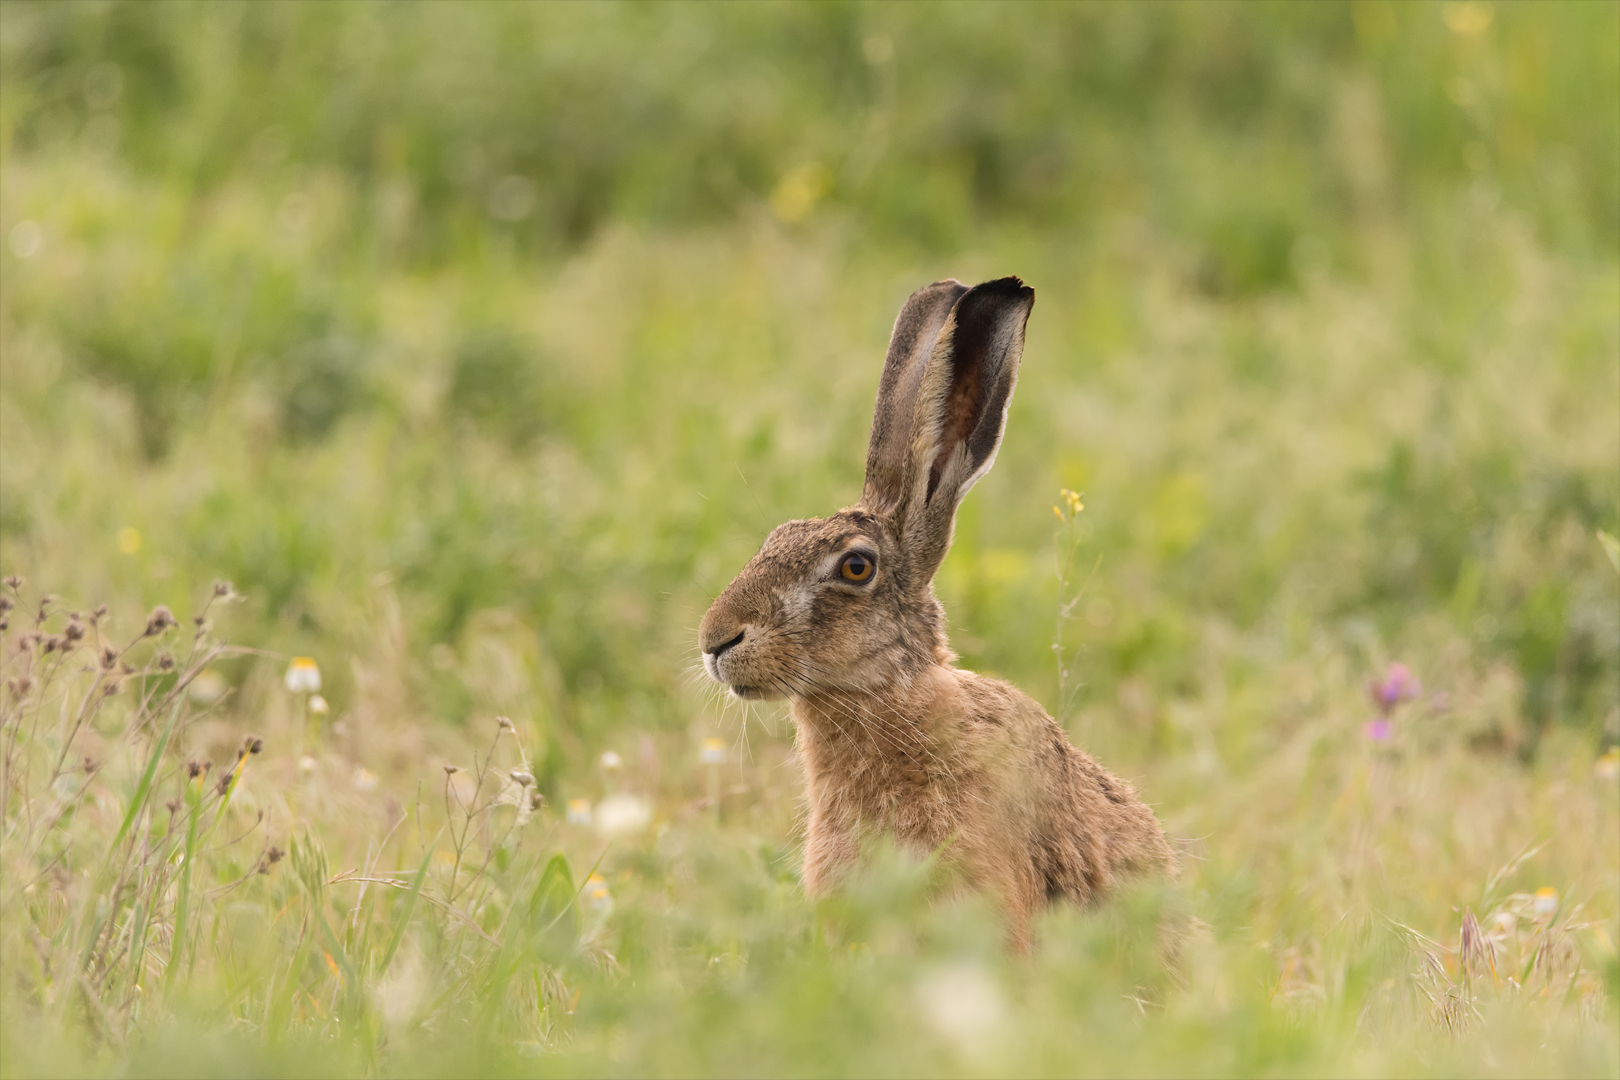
[716,643]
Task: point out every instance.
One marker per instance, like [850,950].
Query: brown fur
[893,737]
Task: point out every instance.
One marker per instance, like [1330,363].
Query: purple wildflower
[1398,685]
[1377,730]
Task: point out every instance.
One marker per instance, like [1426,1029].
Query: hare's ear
[915,332]
[960,413]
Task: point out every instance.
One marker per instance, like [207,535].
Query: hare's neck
[862,742]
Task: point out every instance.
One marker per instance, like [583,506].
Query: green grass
[478,347]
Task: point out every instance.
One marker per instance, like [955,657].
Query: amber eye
[857,567]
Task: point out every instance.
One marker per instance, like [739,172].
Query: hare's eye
[857,567]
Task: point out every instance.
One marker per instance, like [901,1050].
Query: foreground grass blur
[478,350]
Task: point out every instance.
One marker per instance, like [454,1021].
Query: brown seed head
[504,722]
[195,769]
[6,603]
[223,588]
[109,657]
[54,642]
[112,687]
[224,785]
[13,582]
[89,763]
[536,800]
[1475,947]
[160,620]
[74,632]
[98,614]
[253,744]
[451,770]
[173,805]
[19,686]
[165,662]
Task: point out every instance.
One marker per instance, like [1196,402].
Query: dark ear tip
[1011,286]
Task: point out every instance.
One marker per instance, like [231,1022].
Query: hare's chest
[913,796]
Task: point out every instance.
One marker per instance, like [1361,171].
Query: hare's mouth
[747,693]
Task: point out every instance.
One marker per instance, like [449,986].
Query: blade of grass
[410,909]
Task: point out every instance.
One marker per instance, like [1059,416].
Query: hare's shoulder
[1009,726]
[995,703]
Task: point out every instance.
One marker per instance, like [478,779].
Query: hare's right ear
[916,330]
[959,397]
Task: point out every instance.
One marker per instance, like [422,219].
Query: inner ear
[964,403]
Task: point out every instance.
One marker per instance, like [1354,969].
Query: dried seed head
[522,778]
[127,668]
[536,800]
[165,662]
[6,603]
[89,763]
[224,785]
[74,631]
[451,770]
[224,588]
[109,657]
[504,722]
[160,620]
[1475,947]
[20,685]
[253,744]
[99,614]
[195,769]
[13,582]
[111,688]
[173,805]
[5,624]
[54,642]
[273,856]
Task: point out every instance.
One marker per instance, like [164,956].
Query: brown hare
[838,615]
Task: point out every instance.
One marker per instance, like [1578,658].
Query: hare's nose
[716,650]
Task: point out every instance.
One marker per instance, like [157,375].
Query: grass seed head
[13,582]
[160,620]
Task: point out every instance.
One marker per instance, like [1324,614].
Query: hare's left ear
[961,412]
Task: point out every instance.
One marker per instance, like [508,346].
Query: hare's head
[847,602]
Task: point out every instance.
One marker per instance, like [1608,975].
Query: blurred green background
[554,310]
[480,345]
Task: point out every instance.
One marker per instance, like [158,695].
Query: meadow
[386,389]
